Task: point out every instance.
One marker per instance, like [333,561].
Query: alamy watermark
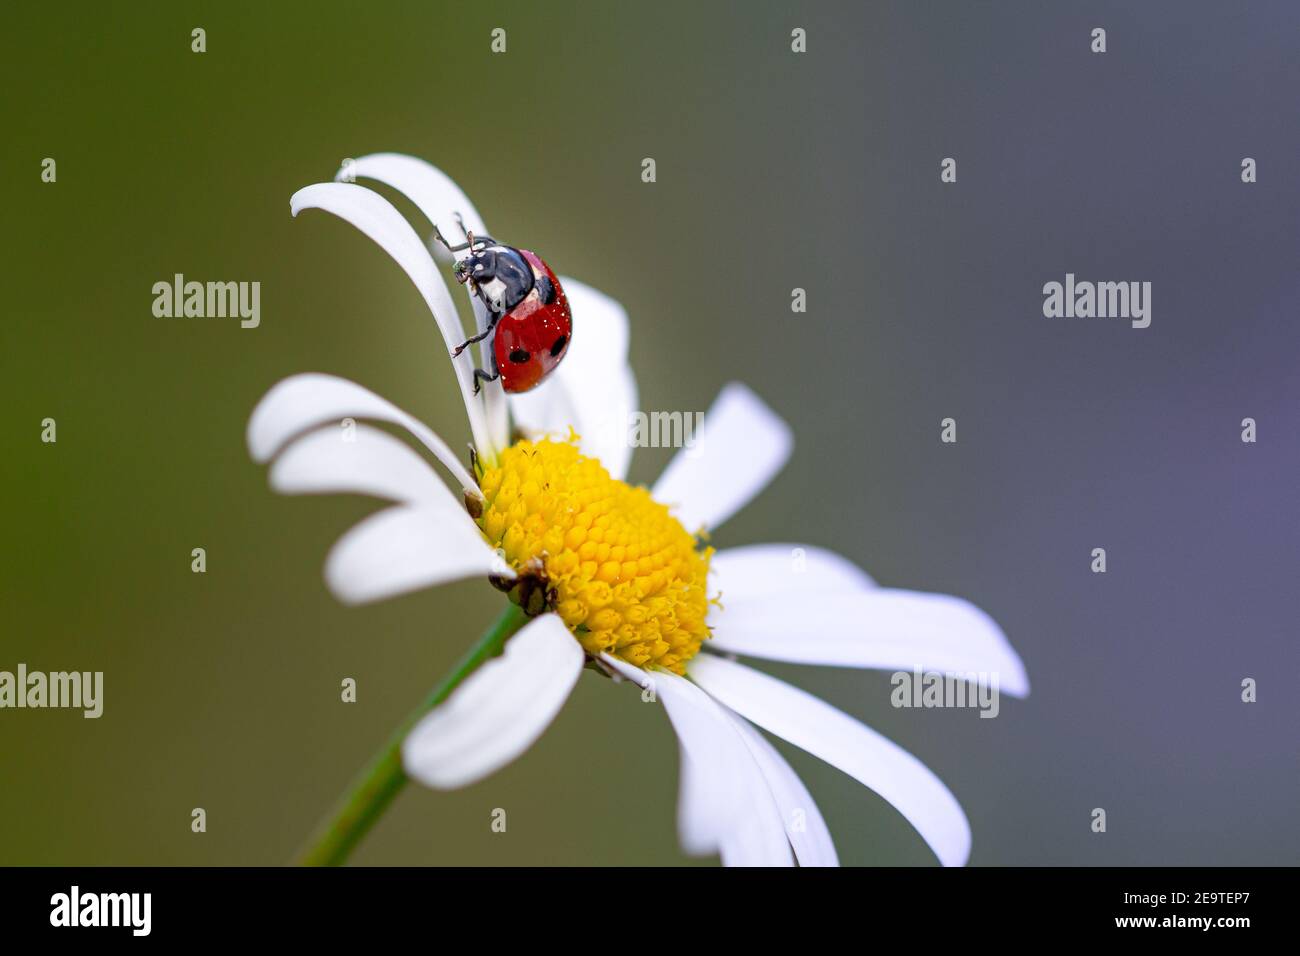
[917,688]
[209,300]
[1102,300]
[75,908]
[663,429]
[78,690]
[638,429]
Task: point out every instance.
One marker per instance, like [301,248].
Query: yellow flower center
[622,572]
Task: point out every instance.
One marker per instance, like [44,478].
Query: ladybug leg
[493,317]
[482,376]
[469,241]
[472,339]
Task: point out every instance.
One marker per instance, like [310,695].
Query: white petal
[432,190]
[881,628]
[832,735]
[547,409]
[377,218]
[593,390]
[789,570]
[362,460]
[740,447]
[439,198]
[726,804]
[404,549]
[605,320]
[701,815]
[305,401]
[804,825]
[499,711]
[701,818]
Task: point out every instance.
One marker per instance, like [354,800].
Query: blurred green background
[775,170]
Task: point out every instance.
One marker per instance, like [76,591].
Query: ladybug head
[497,274]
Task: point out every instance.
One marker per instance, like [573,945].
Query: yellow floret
[621,572]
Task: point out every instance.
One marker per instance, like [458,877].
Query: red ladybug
[528,313]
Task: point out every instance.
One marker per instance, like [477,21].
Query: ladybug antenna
[438,237]
[469,235]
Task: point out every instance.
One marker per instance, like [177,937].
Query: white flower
[618,583]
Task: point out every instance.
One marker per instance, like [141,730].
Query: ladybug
[528,314]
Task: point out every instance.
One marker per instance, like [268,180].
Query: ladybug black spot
[546,290]
[519,356]
[558,347]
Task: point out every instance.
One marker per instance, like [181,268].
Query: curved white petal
[881,628]
[593,390]
[701,819]
[432,190]
[832,735]
[789,570]
[404,549]
[377,218]
[496,410]
[701,816]
[445,205]
[499,711]
[305,401]
[804,826]
[361,460]
[725,804]
[740,447]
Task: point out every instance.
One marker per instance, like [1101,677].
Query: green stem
[375,788]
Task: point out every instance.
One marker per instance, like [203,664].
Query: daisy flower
[605,575]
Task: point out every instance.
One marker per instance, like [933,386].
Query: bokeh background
[775,170]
